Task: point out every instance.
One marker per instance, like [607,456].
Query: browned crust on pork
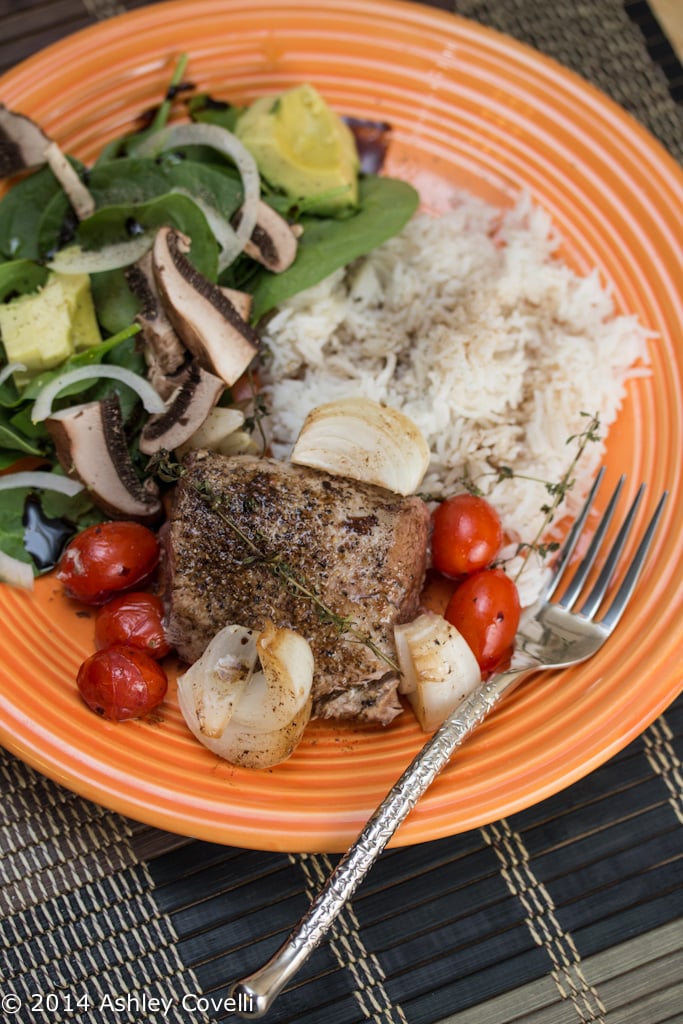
[362,548]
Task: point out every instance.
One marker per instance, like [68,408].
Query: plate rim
[167,820]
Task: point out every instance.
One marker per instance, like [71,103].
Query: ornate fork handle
[255,993]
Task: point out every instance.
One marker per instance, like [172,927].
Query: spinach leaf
[19,277]
[128,355]
[385,206]
[115,303]
[14,441]
[56,226]
[11,524]
[112,224]
[197,168]
[205,109]
[78,510]
[21,211]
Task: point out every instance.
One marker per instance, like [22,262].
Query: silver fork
[552,635]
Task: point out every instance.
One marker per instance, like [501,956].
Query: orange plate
[468,107]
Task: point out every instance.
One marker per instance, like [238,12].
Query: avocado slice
[44,328]
[303,148]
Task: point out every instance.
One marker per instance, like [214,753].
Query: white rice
[472,326]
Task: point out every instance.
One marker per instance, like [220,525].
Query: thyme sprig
[259,411]
[169,471]
[557,490]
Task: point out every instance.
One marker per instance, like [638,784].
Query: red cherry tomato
[466,536]
[106,559]
[485,609]
[135,619]
[121,682]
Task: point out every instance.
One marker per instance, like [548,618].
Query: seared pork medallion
[252,540]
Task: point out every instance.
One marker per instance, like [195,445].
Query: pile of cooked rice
[473,326]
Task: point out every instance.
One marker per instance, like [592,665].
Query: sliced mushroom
[194,399]
[273,241]
[24,146]
[22,143]
[164,351]
[242,301]
[91,447]
[78,195]
[205,319]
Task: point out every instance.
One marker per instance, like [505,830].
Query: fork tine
[572,537]
[580,576]
[594,599]
[623,595]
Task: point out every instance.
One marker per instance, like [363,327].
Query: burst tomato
[135,619]
[106,559]
[485,609]
[121,682]
[466,535]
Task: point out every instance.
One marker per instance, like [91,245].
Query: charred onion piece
[248,698]
[24,146]
[194,399]
[438,669]
[204,318]
[273,242]
[364,440]
[91,447]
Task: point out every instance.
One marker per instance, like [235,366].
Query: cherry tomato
[135,619]
[485,609]
[106,559]
[121,682]
[466,536]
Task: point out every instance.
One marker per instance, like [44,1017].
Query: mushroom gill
[195,397]
[273,241]
[164,351]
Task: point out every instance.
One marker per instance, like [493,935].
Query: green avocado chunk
[44,328]
[303,148]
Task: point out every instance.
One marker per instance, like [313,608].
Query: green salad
[203,221]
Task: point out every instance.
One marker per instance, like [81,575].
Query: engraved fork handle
[254,994]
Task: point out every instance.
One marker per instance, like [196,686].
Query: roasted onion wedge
[438,669]
[364,440]
[248,698]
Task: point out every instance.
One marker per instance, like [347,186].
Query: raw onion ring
[151,399]
[224,142]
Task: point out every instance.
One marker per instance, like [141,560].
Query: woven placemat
[568,912]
